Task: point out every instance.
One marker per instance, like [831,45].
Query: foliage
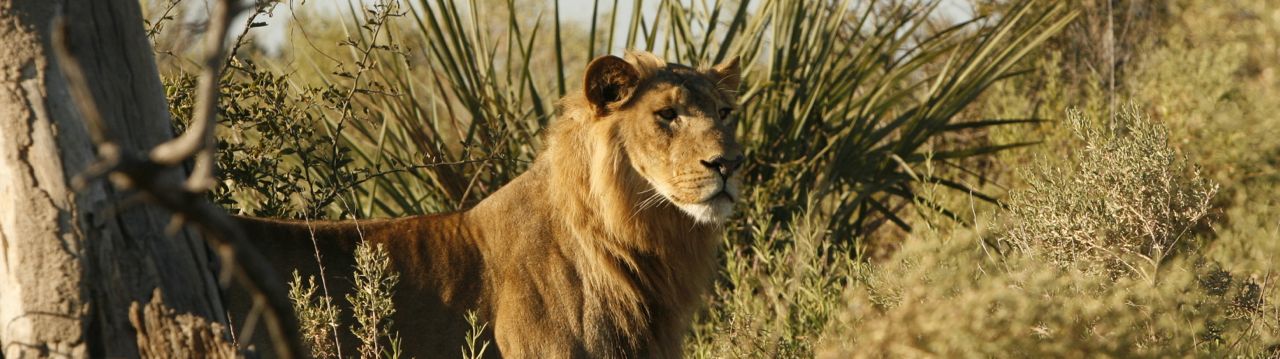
[841,122]
[269,150]
[954,299]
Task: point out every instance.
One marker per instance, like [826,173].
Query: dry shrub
[371,304]
[1215,86]
[777,295]
[951,300]
[958,299]
[1082,247]
[1243,261]
[317,317]
[475,347]
[1124,200]
[375,284]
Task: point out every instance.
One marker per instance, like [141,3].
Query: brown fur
[604,248]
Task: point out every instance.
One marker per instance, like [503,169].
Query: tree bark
[72,262]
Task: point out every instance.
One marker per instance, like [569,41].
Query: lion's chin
[713,211]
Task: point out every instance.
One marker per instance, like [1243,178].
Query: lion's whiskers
[652,201]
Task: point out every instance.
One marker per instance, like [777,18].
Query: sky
[272,37]
[580,10]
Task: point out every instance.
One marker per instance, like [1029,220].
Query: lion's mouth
[723,194]
[726,192]
[714,203]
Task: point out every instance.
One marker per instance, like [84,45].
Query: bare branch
[198,140]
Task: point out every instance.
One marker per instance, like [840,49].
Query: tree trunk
[72,262]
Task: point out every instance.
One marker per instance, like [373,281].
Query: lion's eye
[668,114]
[725,112]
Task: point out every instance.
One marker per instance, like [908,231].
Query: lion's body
[574,258]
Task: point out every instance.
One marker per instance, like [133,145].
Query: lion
[603,248]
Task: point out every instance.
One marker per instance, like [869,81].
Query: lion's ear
[609,79]
[727,74]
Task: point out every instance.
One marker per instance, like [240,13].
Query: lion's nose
[725,166]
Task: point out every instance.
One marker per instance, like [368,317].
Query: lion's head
[674,125]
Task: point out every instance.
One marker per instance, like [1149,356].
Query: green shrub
[272,159]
